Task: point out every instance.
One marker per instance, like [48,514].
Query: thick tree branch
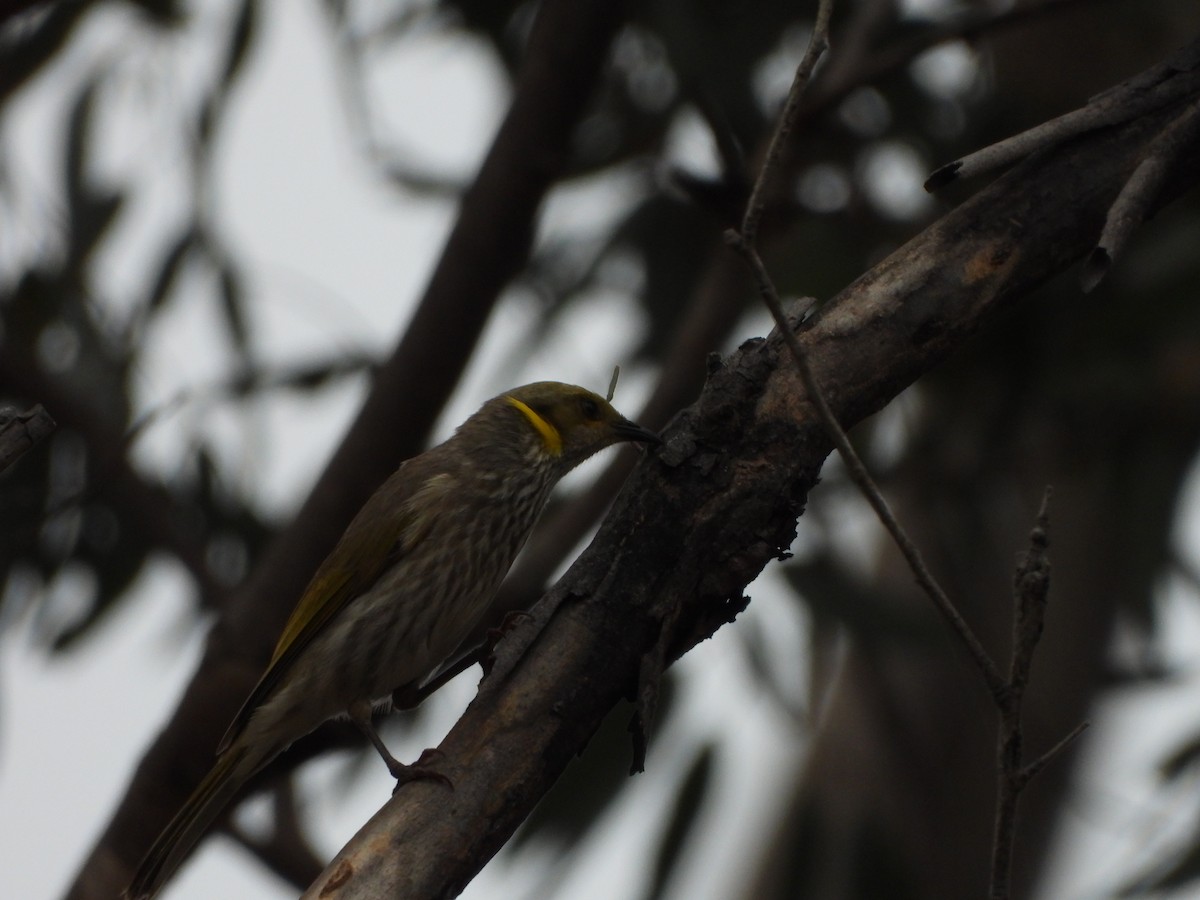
[566,52]
[858,473]
[695,524]
[744,241]
[714,309]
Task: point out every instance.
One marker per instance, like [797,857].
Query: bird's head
[569,423]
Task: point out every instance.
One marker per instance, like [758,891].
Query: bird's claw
[419,771]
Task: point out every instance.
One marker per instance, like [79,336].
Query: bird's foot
[418,771]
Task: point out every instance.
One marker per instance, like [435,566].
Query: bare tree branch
[817,45]
[713,312]
[697,523]
[1166,84]
[1148,91]
[1132,205]
[744,243]
[1031,591]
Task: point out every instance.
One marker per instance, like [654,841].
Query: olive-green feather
[385,528]
[405,584]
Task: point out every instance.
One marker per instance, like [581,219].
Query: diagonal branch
[712,315]
[858,473]
[744,243]
[817,45]
[1119,104]
[1132,205]
[696,523]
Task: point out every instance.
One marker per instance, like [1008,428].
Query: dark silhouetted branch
[699,519]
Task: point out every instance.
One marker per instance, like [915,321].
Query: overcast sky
[334,257]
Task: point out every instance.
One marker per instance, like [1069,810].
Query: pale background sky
[333,256]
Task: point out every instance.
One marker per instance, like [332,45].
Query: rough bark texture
[700,519]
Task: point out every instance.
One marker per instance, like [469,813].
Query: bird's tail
[233,768]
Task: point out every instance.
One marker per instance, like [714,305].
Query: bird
[408,580]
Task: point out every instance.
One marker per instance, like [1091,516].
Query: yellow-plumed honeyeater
[412,575]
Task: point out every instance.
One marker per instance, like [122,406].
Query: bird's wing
[383,531]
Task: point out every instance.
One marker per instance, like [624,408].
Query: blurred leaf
[834,594]
[165,13]
[170,268]
[35,302]
[716,49]
[233,302]
[36,43]
[208,479]
[90,211]
[688,802]
[336,10]
[1182,760]
[303,377]
[632,258]
[114,570]
[757,653]
[307,377]
[79,126]
[206,119]
[24,496]
[212,108]
[502,24]
[671,268]
[90,222]
[1183,873]
[241,40]
[1145,670]
[232,531]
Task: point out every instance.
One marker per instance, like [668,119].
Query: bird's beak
[631,431]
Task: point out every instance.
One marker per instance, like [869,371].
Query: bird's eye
[589,408]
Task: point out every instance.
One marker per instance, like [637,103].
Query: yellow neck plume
[550,436]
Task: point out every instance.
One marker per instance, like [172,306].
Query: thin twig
[396,168]
[996,684]
[1031,588]
[1134,203]
[1032,581]
[1031,770]
[817,45]
[709,319]
[744,243]
[1031,591]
